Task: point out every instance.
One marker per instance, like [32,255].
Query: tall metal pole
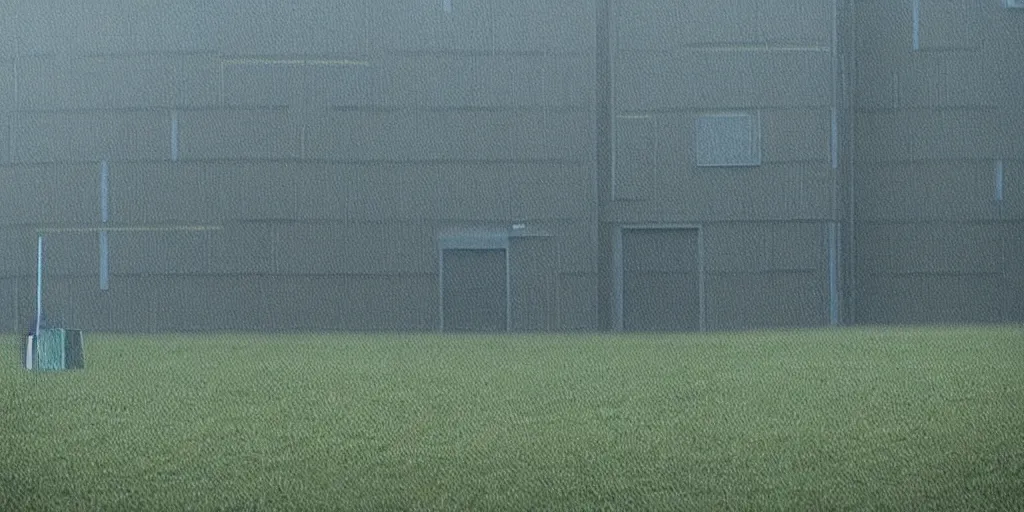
[34,338]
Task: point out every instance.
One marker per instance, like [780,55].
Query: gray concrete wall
[337,142]
[765,256]
[333,142]
[938,113]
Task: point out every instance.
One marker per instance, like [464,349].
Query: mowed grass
[866,418]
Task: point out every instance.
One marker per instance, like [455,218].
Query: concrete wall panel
[533,283]
[946,80]
[35,137]
[336,27]
[8,98]
[322,191]
[949,248]
[553,135]
[28,28]
[315,27]
[263,83]
[243,248]
[254,190]
[726,78]
[768,192]
[313,82]
[456,134]
[379,192]
[432,80]
[636,165]
[426,27]
[237,134]
[877,86]
[1013,189]
[165,193]
[932,298]
[5,139]
[340,135]
[426,135]
[670,25]
[946,25]
[550,191]
[97,26]
[666,24]
[207,303]
[70,254]
[247,28]
[759,247]
[172,26]
[161,252]
[354,248]
[40,82]
[538,25]
[919,134]
[576,245]
[17,251]
[51,194]
[577,301]
[353,302]
[330,248]
[342,83]
[77,301]
[1004,68]
[766,300]
[530,80]
[131,81]
[89,135]
[70,194]
[884,30]
[474,193]
[165,303]
[9,304]
[931,190]
[22,207]
[411,247]
[804,22]
[796,135]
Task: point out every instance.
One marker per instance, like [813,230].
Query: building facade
[528,165]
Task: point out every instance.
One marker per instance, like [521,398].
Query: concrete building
[525,165]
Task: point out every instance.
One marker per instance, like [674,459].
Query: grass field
[867,418]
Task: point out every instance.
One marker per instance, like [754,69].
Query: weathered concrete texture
[733,164]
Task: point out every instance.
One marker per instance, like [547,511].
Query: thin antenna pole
[34,338]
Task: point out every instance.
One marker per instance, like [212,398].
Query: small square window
[728,140]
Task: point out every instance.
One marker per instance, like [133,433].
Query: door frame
[617,269]
[472,241]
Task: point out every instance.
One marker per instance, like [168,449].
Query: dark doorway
[661,279]
[474,292]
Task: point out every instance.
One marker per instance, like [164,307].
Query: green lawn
[872,418]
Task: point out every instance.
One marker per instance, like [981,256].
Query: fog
[533,165]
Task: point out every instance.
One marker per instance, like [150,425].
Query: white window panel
[728,140]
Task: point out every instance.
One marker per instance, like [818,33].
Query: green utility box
[54,349]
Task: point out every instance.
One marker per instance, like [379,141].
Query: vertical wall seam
[999,179]
[103,236]
[604,239]
[916,44]
[174,135]
[13,118]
